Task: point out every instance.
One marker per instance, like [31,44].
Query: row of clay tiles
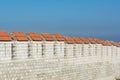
[32,36]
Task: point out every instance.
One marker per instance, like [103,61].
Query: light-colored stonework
[58,60]
[78,67]
[59,69]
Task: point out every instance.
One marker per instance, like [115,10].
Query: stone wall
[60,69]
[46,60]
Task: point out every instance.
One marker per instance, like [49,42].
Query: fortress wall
[5,51]
[96,66]
[59,49]
[35,49]
[54,69]
[19,50]
[51,59]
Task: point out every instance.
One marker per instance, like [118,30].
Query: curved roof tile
[47,37]
[34,36]
[19,36]
[69,40]
[4,36]
[58,37]
[77,40]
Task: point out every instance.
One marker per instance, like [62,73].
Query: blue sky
[83,18]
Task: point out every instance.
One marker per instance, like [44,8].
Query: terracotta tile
[98,41]
[58,37]
[92,41]
[34,36]
[86,41]
[5,38]
[4,34]
[69,40]
[47,37]
[20,36]
[77,40]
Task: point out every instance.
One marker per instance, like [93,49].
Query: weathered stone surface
[58,69]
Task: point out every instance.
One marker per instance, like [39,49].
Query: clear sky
[83,18]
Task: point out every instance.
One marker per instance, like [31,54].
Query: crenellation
[53,57]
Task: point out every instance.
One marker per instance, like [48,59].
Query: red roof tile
[115,43]
[47,37]
[92,41]
[34,36]
[4,36]
[105,43]
[98,41]
[86,41]
[58,37]
[77,40]
[20,36]
[108,42]
[69,40]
